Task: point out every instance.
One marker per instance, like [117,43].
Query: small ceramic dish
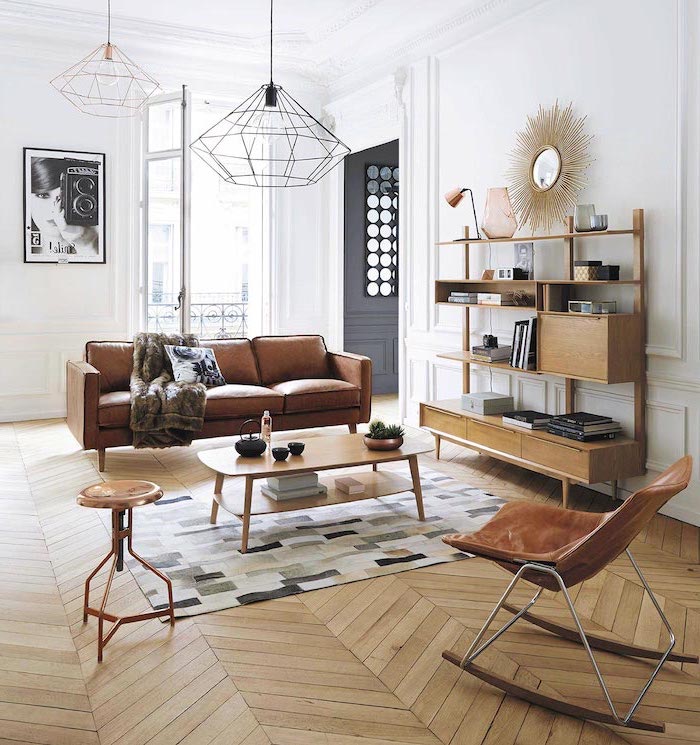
[296,448]
[280,453]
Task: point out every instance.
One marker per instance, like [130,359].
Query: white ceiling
[321,41]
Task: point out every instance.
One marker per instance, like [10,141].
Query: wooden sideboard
[602,348]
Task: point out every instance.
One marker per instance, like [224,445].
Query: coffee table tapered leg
[246,512]
[415,477]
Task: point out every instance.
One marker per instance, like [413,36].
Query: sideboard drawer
[444,421]
[497,438]
[564,458]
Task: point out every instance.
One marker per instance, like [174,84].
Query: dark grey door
[371,261]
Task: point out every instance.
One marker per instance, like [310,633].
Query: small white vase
[499,219]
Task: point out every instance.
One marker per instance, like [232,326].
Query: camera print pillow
[195,365]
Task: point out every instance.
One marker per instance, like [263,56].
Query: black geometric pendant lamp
[270,140]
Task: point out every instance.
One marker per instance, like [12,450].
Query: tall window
[203,237]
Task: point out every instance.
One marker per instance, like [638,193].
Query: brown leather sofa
[296,378]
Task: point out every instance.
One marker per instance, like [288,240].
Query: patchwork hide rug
[292,552]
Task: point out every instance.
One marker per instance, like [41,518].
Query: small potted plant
[383,437]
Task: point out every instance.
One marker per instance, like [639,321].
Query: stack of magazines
[584,427]
[527,419]
[293,487]
[466,298]
[491,354]
[523,352]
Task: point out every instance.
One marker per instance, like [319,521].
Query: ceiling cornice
[300,55]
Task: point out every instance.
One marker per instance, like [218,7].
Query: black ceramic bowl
[296,448]
[280,453]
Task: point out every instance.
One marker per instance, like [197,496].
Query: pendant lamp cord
[271,1]
[109,21]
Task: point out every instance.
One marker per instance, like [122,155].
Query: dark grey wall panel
[371,323]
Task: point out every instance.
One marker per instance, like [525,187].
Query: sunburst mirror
[547,166]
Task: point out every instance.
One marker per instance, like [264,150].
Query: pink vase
[499,219]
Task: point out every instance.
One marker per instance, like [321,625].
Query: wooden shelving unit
[605,348]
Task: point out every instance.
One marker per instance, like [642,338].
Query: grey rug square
[293,552]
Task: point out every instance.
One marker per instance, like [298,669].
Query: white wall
[48,312]
[631,68]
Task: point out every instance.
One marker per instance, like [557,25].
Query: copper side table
[120,497]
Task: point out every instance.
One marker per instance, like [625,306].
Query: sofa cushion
[114,360]
[236,360]
[282,358]
[315,394]
[114,409]
[236,401]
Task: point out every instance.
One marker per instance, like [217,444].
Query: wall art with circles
[382,230]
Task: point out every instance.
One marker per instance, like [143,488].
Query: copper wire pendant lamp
[106,83]
[270,140]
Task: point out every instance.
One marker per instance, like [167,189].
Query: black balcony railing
[212,316]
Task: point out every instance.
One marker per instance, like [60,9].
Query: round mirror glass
[546,168]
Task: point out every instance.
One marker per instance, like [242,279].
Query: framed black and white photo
[64,207]
[524,258]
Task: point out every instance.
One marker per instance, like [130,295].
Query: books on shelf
[584,427]
[527,419]
[524,347]
[495,298]
[467,298]
[293,487]
[280,496]
[289,483]
[491,354]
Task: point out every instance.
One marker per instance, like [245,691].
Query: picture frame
[64,206]
[524,258]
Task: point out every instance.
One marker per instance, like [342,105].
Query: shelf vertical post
[640,387]
[466,331]
[569,274]
[569,256]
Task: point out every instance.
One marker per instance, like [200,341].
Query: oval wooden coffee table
[321,454]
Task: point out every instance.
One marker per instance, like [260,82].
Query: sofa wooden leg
[214,511]
[101,452]
[437,446]
[352,428]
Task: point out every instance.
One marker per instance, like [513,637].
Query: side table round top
[119,495]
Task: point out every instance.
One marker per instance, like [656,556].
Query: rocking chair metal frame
[578,564]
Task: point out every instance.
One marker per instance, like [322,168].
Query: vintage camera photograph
[64,209]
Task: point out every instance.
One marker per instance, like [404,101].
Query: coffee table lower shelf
[377,484]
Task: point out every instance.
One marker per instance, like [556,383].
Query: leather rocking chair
[556,549]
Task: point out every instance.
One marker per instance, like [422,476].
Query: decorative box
[586,271]
[487,403]
[609,271]
[592,307]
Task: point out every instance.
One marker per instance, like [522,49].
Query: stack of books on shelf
[527,419]
[467,298]
[494,298]
[293,487]
[524,349]
[491,354]
[584,427]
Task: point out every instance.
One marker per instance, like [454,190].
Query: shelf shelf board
[466,357]
[529,238]
[521,282]
[488,305]
[588,281]
[579,315]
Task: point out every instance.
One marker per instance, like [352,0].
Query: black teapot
[250,445]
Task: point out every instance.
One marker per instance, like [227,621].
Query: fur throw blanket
[163,411]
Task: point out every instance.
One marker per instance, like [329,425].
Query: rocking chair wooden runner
[556,549]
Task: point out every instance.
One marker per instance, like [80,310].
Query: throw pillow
[195,365]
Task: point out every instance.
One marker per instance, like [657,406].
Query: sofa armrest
[82,399]
[355,369]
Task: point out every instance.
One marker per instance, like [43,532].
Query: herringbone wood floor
[357,664]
